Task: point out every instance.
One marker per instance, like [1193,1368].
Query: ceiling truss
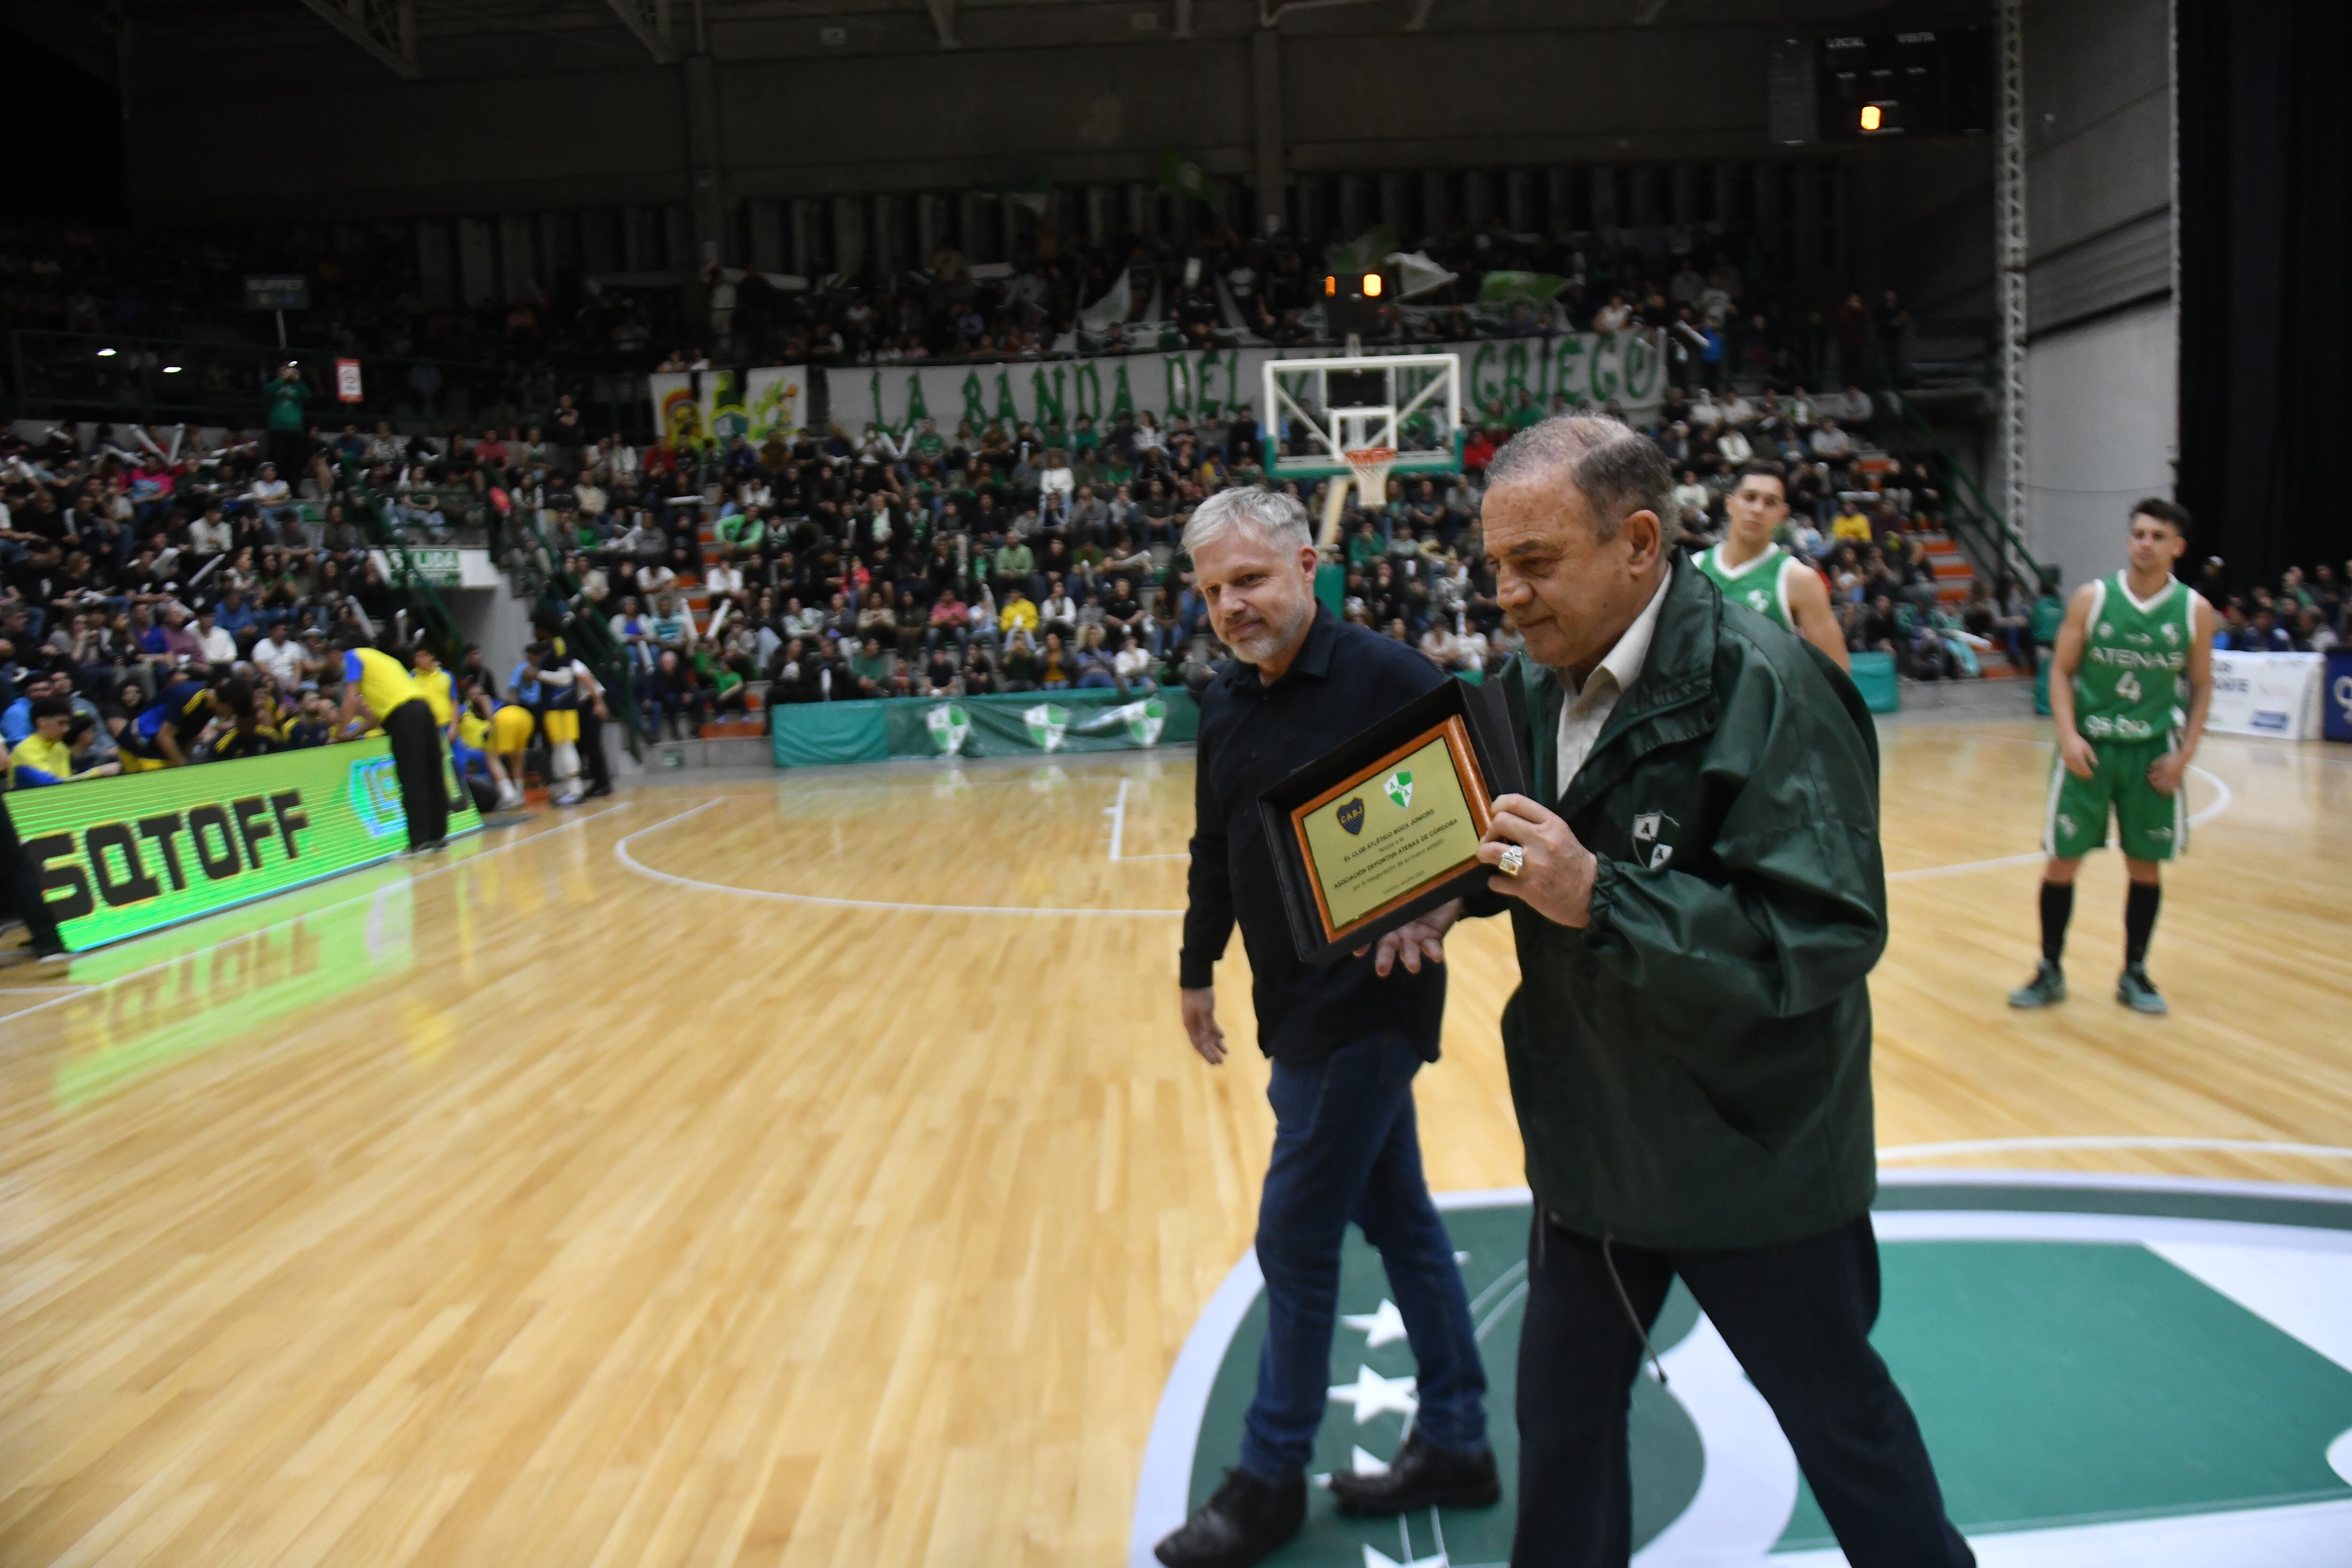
[384,28]
[648,22]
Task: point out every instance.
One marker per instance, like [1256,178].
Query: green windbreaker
[1693,1068]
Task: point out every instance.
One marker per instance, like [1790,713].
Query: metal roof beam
[70,38]
[943,18]
[648,22]
[384,28]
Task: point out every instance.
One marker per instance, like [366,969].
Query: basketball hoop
[1371,466]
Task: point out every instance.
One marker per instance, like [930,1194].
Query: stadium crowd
[174,602]
[1026,558]
[735,577]
[507,360]
[169,598]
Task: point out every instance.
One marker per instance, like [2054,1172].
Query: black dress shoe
[1422,1475]
[1241,1522]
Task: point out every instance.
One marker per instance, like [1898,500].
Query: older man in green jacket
[1697,899]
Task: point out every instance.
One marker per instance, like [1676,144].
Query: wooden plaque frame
[1488,760]
[1457,736]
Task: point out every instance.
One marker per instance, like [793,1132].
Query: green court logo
[2107,1370]
[1047,723]
[1400,789]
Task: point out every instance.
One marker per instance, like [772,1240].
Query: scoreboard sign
[277,291]
[121,856]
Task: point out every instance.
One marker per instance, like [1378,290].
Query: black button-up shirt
[1251,737]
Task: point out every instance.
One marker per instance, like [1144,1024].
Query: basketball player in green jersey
[1753,570]
[2129,685]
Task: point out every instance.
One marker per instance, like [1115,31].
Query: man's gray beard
[1258,649]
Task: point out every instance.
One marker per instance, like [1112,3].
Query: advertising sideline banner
[771,400]
[1006,724]
[1628,366]
[2338,724]
[117,856]
[2272,694]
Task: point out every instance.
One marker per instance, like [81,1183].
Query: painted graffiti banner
[1598,368]
[771,400]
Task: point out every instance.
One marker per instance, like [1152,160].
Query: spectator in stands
[1094,665]
[1022,668]
[1852,524]
[1133,664]
[2263,634]
[47,754]
[669,701]
[874,668]
[2013,625]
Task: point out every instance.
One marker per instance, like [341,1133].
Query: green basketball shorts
[2148,825]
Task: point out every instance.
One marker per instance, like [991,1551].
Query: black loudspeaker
[1791,101]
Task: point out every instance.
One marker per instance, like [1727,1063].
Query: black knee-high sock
[2057,909]
[2140,918]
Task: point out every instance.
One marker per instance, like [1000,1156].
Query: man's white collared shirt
[1587,710]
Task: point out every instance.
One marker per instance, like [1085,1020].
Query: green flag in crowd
[1180,177]
[1519,288]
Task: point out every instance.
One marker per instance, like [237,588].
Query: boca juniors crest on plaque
[1351,814]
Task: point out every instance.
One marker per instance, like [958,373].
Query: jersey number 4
[2127,686]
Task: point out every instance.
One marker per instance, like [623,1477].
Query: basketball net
[1371,464]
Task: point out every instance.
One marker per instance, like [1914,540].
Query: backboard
[1316,410]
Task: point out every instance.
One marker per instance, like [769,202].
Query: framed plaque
[1387,827]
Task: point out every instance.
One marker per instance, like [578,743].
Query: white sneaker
[510,799]
[571,799]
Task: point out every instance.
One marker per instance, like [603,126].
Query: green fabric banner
[817,734]
[812,735]
[1873,676]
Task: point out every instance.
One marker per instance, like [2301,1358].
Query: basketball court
[810,1169]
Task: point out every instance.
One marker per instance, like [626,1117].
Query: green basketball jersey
[2132,684]
[1760,585]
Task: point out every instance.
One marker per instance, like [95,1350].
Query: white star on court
[1375,1558]
[1384,1327]
[1370,1393]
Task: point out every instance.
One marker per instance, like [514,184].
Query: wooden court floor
[810,1170]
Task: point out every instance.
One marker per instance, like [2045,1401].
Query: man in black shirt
[1345,1042]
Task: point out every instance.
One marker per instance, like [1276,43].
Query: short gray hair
[1275,516]
[1620,471]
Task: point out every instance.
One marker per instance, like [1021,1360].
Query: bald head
[1617,471]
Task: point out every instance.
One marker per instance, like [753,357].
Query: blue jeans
[1347,1148]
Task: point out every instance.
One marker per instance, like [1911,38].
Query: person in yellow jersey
[1753,570]
[436,686]
[510,731]
[46,755]
[562,696]
[491,738]
[379,690]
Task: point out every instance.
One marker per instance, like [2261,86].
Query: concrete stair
[1954,576]
[697,601]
